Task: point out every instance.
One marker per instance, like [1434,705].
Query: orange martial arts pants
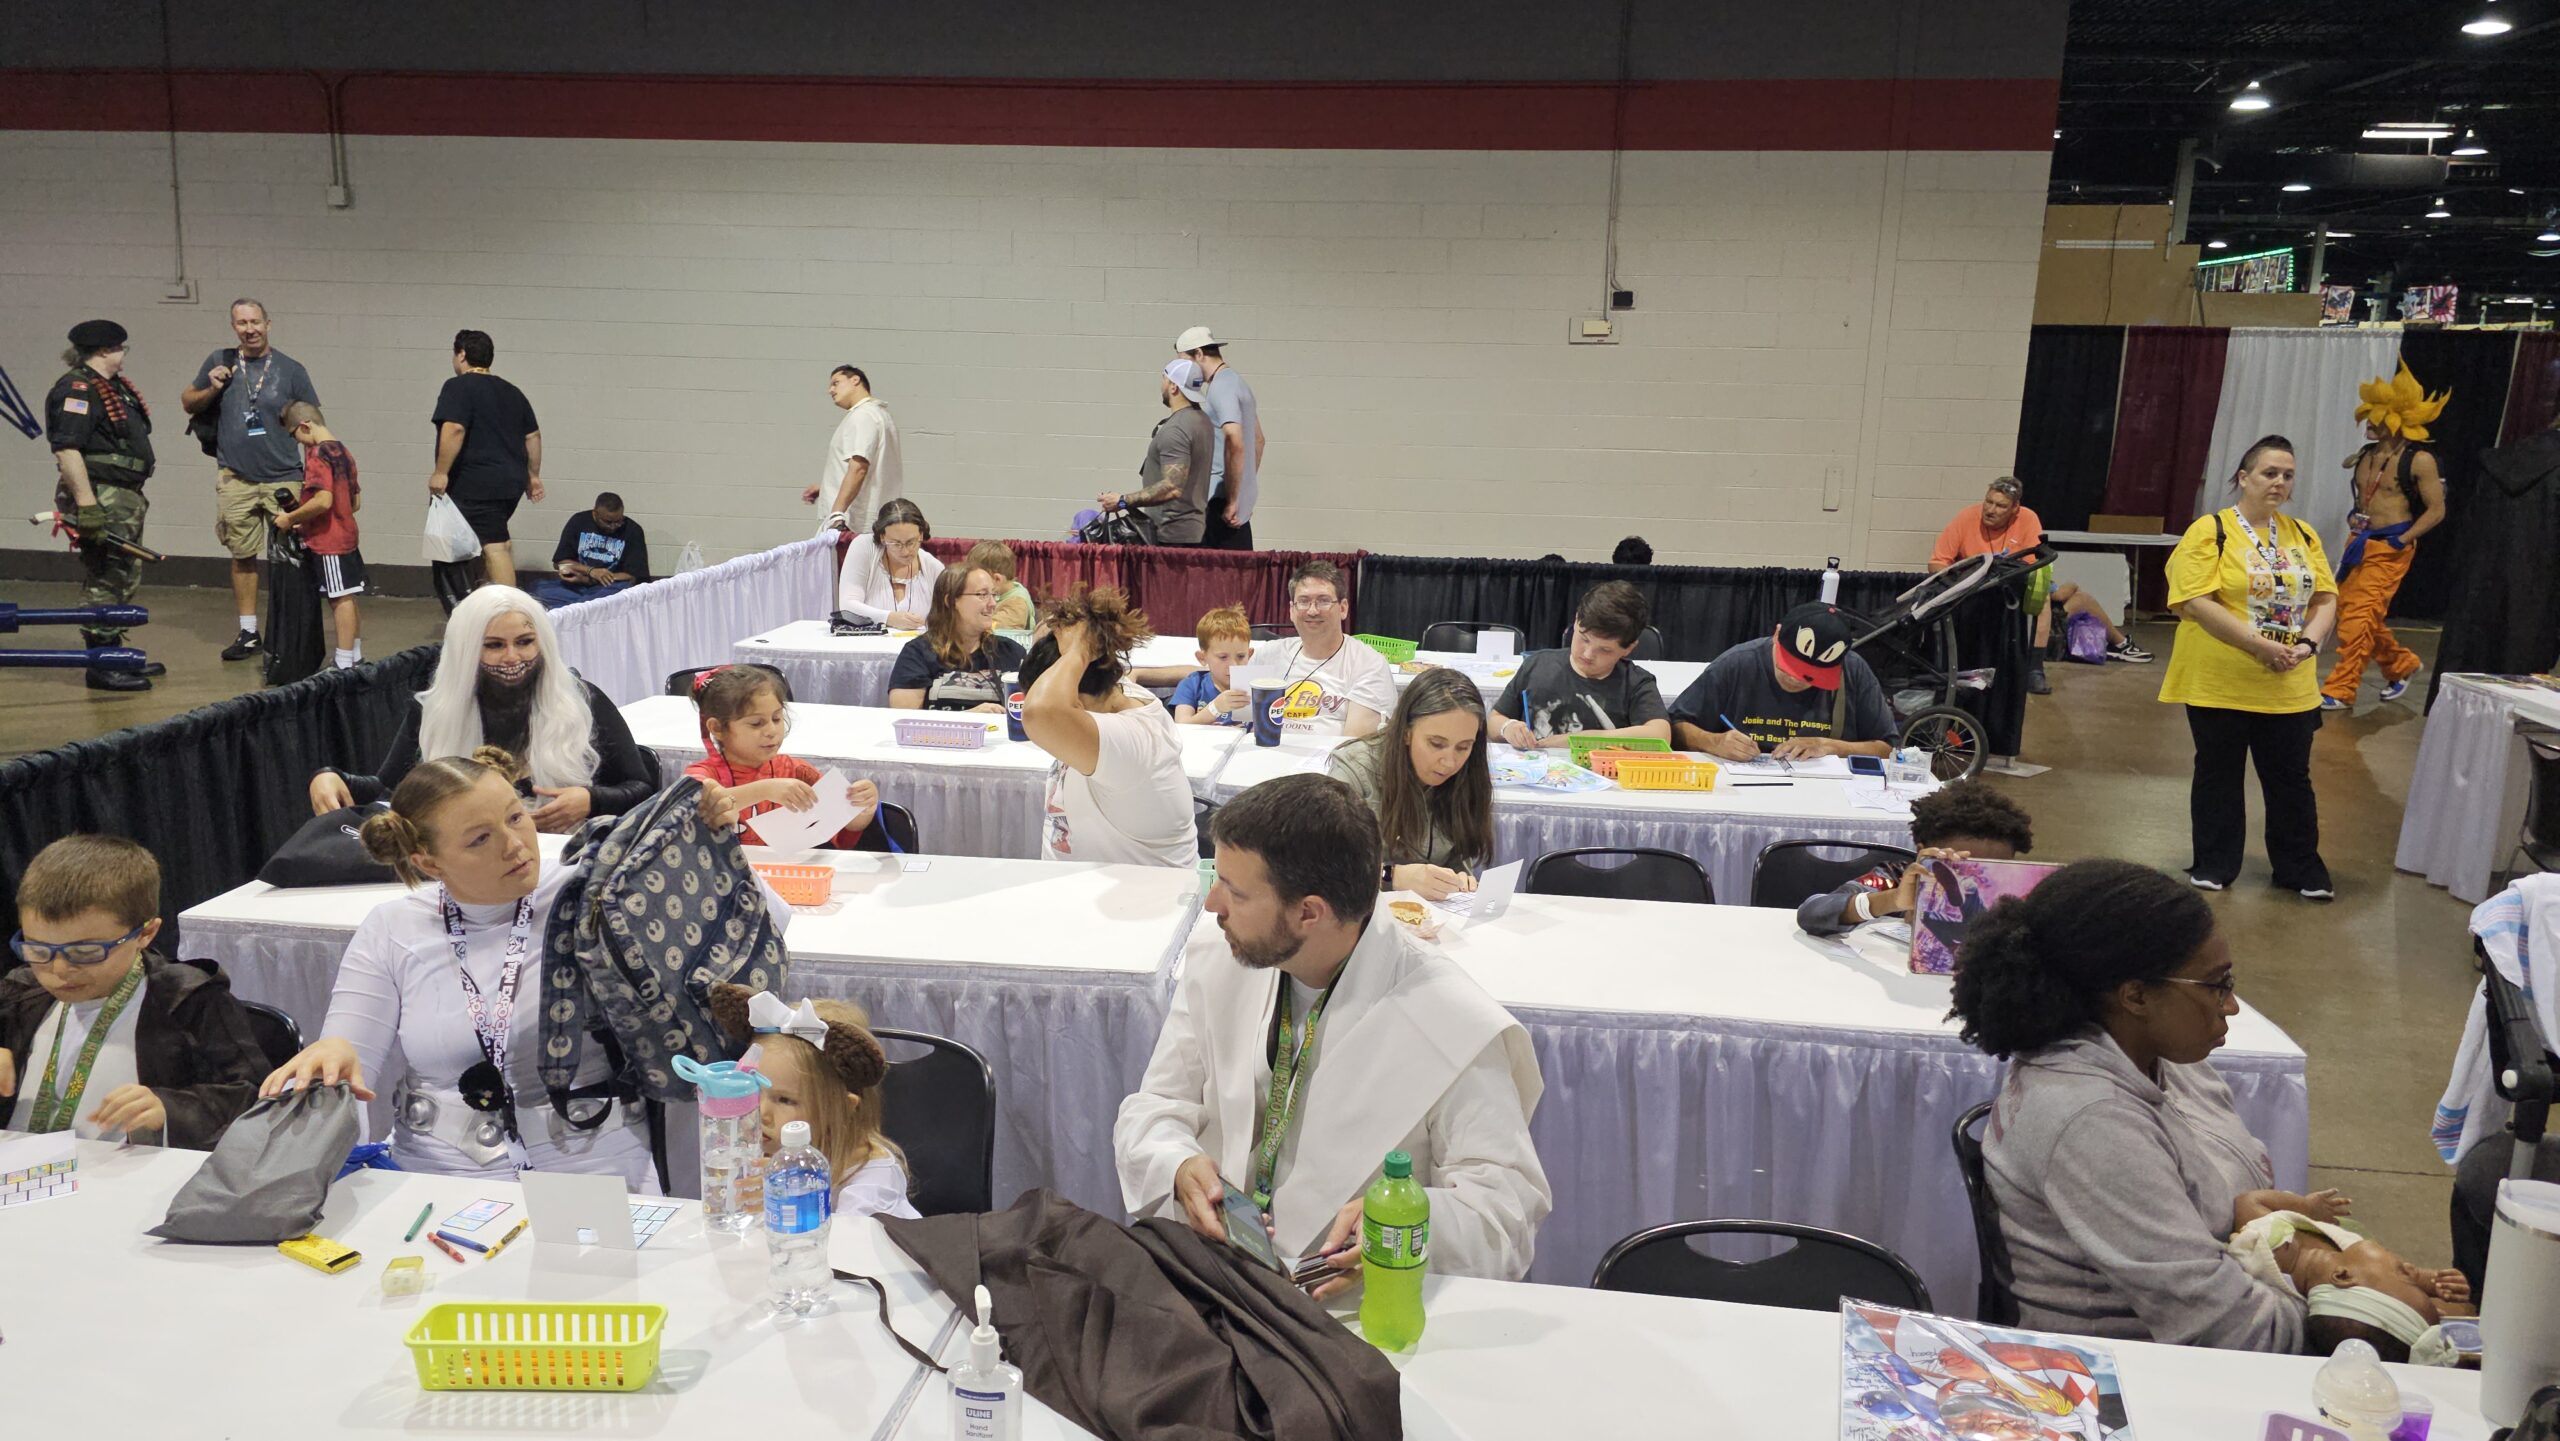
[2364,599]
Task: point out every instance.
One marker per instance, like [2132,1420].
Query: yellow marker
[503,1240]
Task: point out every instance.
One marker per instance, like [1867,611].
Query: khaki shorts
[241,511]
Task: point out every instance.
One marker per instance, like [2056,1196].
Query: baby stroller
[1912,649]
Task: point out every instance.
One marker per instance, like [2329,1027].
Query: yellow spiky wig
[2400,405]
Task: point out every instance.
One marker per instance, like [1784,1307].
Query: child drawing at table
[1206,697]
[745,711]
[826,1068]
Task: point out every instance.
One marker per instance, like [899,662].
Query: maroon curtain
[2164,425]
[1174,585]
[1053,567]
[2533,392]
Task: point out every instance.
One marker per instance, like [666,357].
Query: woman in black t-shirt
[959,663]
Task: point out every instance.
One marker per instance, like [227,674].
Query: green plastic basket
[519,1346]
[1581,747]
[1396,651]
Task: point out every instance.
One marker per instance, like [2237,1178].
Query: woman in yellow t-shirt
[2254,598]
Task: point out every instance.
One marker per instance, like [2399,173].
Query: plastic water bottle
[2356,1395]
[732,1141]
[799,1201]
[1395,1243]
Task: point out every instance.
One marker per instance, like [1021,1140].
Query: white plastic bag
[690,558]
[447,538]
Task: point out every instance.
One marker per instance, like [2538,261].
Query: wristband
[1858,903]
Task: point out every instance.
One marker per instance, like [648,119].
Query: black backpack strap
[2217,535]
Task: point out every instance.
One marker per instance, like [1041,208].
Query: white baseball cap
[1185,377]
[1196,338]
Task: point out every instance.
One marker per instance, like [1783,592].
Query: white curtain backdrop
[629,644]
[2300,384]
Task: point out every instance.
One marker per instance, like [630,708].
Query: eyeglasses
[1314,603]
[75,953]
[2222,990]
[908,547]
[2009,488]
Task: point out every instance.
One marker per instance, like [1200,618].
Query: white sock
[357,654]
[249,624]
[347,659]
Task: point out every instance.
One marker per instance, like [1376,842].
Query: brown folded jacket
[1152,1333]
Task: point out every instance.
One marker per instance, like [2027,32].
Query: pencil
[419,1224]
[437,1237]
[511,1235]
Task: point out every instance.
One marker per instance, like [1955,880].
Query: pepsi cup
[1266,712]
[1013,708]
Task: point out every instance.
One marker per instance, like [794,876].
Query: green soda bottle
[1395,1241]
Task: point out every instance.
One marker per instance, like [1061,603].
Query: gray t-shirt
[1555,699]
[252,440]
[1229,401]
[1182,438]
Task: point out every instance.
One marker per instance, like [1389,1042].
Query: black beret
[97,335]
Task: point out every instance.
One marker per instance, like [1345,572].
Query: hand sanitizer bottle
[986,1394]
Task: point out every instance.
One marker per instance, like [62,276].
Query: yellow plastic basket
[1644,771]
[517,1346]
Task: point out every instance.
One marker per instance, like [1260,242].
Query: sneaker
[154,669]
[2204,883]
[2316,893]
[2398,688]
[2129,653]
[244,647]
[2036,683]
[2332,703]
[117,680]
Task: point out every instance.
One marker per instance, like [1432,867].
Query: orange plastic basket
[1652,771]
[807,886]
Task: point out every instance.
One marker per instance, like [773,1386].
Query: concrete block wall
[1825,358]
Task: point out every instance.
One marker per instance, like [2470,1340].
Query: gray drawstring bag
[269,1175]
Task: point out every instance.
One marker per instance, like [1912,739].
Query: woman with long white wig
[501,682]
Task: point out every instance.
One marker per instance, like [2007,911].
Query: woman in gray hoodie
[2113,1151]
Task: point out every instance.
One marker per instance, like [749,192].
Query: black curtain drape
[2476,365]
[2507,620]
[2067,420]
[1700,610]
[211,793]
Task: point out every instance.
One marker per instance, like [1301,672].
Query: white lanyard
[2267,548]
[495,1025]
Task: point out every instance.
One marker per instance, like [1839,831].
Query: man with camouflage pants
[100,432]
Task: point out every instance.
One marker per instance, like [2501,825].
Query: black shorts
[488,515]
[339,575]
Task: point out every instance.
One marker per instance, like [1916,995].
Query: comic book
[1906,1376]
[1951,894]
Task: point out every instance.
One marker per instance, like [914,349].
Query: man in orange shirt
[2002,525]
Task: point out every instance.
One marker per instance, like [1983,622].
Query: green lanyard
[55,1113]
[1289,1067]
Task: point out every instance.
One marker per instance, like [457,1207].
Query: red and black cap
[1812,643]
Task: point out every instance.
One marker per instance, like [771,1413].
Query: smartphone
[1245,1232]
[1866,766]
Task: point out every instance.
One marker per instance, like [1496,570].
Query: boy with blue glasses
[100,1035]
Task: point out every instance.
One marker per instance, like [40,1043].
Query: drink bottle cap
[1399,1165]
[795,1135]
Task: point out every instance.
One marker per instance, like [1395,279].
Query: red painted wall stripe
[1833,114]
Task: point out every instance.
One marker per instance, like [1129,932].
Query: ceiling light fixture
[2297,188]
[2470,145]
[2439,213]
[2217,245]
[2252,98]
[2548,237]
[2489,22]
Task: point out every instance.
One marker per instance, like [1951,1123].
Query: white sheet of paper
[1243,677]
[1492,895]
[1496,643]
[1810,768]
[915,863]
[39,1168]
[793,833]
[1866,793]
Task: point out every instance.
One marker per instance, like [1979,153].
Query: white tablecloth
[985,802]
[629,644]
[2466,795]
[1706,1061]
[1058,974]
[239,1342]
[1724,829]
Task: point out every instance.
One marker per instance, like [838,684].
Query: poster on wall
[2429,303]
[2337,305]
[2267,273]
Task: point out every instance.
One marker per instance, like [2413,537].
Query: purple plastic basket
[928,733]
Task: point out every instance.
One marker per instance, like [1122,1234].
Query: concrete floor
[2373,986]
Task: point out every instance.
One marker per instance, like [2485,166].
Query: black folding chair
[681,682]
[940,1107]
[1994,1300]
[1460,635]
[1643,874]
[1815,1273]
[1789,873]
[900,825]
[1202,813]
[1648,644]
[279,1038]
[1274,632]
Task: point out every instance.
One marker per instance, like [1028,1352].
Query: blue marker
[1737,730]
